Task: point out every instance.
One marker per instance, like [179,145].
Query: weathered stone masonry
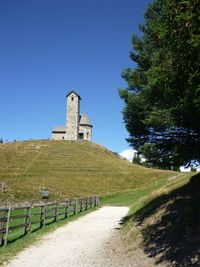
[78,127]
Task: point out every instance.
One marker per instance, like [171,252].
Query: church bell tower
[73,116]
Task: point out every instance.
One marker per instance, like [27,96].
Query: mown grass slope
[166,222]
[174,235]
[83,168]
[68,169]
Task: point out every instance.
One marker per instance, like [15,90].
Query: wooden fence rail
[21,220]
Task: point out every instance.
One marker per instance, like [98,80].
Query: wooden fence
[16,221]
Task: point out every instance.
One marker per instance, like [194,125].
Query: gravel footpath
[79,243]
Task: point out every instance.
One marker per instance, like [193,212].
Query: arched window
[72,99]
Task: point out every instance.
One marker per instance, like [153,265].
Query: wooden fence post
[30,216]
[41,216]
[90,202]
[75,206]
[66,208]
[2,226]
[95,201]
[27,220]
[86,203]
[44,214]
[7,226]
[81,204]
[56,211]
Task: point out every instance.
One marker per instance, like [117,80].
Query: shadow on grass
[174,231]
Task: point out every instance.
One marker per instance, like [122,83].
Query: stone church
[78,127]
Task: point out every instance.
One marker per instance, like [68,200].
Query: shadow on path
[174,231]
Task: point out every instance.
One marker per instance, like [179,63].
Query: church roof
[73,92]
[84,120]
[59,129]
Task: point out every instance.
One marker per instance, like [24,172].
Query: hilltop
[68,169]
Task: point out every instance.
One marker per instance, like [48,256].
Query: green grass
[168,222]
[8,252]
[68,169]
[135,200]
[141,195]
[163,219]
[15,234]
[72,169]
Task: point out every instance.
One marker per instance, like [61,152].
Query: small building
[78,127]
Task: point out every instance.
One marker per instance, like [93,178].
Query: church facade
[78,127]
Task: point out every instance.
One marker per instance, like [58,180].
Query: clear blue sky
[48,47]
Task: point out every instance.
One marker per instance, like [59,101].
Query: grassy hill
[163,217]
[68,169]
[165,222]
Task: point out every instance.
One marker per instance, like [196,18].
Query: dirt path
[79,243]
[92,241]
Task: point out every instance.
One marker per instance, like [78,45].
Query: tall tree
[162,99]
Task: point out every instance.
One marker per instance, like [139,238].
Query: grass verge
[164,221]
[136,200]
[8,252]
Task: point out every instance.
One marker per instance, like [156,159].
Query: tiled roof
[73,92]
[59,129]
[84,120]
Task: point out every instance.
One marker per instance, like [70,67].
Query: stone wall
[87,132]
[73,106]
[58,136]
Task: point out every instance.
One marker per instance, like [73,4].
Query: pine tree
[162,99]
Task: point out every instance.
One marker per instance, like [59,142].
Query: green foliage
[162,100]
[136,159]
